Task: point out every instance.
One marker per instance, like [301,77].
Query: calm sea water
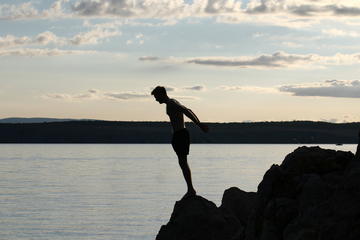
[116,191]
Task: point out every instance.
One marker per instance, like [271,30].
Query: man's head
[160,94]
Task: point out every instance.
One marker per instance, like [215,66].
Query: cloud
[294,13]
[330,88]
[340,33]
[95,94]
[290,13]
[171,89]
[344,10]
[179,8]
[304,8]
[195,88]
[70,97]
[18,46]
[126,95]
[154,9]
[187,88]
[44,38]
[12,41]
[187,98]
[149,58]
[28,11]
[138,39]
[93,36]
[20,11]
[123,8]
[292,44]
[254,89]
[34,52]
[275,60]
[279,59]
[181,89]
[56,9]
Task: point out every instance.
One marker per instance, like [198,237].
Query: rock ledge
[313,194]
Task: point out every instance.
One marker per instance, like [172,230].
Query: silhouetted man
[181,139]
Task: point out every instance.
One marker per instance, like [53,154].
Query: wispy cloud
[154,9]
[340,33]
[148,8]
[254,89]
[149,58]
[45,38]
[94,36]
[279,59]
[29,11]
[186,88]
[276,60]
[22,46]
[20,11]
[95,94]
[125,95]
[195,88]
[34,52]
[330,88]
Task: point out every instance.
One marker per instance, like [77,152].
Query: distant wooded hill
[39,120]
[160,132]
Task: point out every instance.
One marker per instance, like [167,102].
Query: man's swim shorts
[181,142]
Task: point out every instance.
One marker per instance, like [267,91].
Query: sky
[227,60]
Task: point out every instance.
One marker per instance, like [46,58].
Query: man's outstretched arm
[190,114]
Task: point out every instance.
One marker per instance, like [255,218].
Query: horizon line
[105,120]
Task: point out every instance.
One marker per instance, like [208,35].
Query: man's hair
[159,90]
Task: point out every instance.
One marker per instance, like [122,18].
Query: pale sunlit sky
[227,60]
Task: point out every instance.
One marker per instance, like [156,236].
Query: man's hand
[204,127]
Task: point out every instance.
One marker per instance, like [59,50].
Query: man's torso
[174,111]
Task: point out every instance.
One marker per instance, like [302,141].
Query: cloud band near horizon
[236,10]
[329,88]
[275,60]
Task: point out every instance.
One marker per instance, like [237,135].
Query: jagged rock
[315,160]
[196,218]
[276,184]
[357,155]
[239,203]
[314,191]
[320,190]
[313,195]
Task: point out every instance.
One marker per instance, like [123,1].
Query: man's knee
[182,160]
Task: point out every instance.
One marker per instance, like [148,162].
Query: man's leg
[187,174]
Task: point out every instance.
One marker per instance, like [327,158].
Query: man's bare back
[175,112]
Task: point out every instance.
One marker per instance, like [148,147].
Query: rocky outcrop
[313,194]
[308,197]
[357,155]
[196,218]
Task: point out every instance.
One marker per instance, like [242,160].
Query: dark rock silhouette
[197,218]
[357,155]
[313,194]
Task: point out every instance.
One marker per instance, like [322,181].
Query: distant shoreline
[295,132]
